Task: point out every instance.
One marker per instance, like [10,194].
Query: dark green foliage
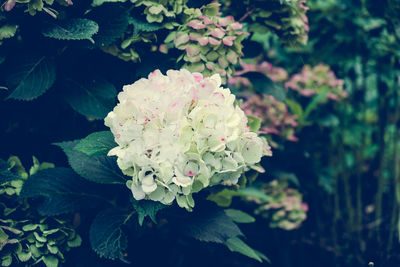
[30,77]
[72,29]
[142,26]
[106,235]
[263,84]
[210,225]
[235,244]
[239,216]
[98,169]
[26,237]
[92,98]
[146,208]
[113,21]
[5,174]
[64,191]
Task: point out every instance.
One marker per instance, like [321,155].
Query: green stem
[383,115]
[347,189]
[359,204]
[395,217]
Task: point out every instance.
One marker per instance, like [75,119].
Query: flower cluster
[274,115]
[285,18]
[162,11]
[276,74]
[34,6]
[212,43]
[180,133]
[317,80]
[25,238]
[285,208]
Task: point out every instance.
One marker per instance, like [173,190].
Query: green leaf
[50,261]
[142,26]
[209,224]
[263,84]
[106,236]
[98,143]
[147,208]
[113,22]
[76,242]
[239,216]
[5,174]
[294,107]
[254,123]
[72,29]
[65,191]
[6,260]
[316,100]
[3,239]
[30,76]
[100,2]
[235,244]
[223,198]
[93,99]
[24,256]
[98,169]
[8,31]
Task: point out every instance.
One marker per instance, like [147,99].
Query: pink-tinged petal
[307,92]
[225,21]
[304,207]
[228,40]
[232,57]
[214,41]
[332,97]
[271,130]
[203,41]
[206,20]
[210,65]
[181,38]
[196,24]
[223,62]
[192,50]
[235,26]
[198,77]
[248,67]
[218,33]
[9,5]
[69,2]
[242,32]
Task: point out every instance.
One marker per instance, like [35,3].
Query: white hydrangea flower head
[180,133]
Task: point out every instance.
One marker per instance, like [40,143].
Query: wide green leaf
[30,76]
[235,244]
[72,29]
[98,169]
[239,216]
[106,236]
[142,26]
[98,143]
[63,189]
[113,22]
[146,208]
[209,224]
[93,98]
